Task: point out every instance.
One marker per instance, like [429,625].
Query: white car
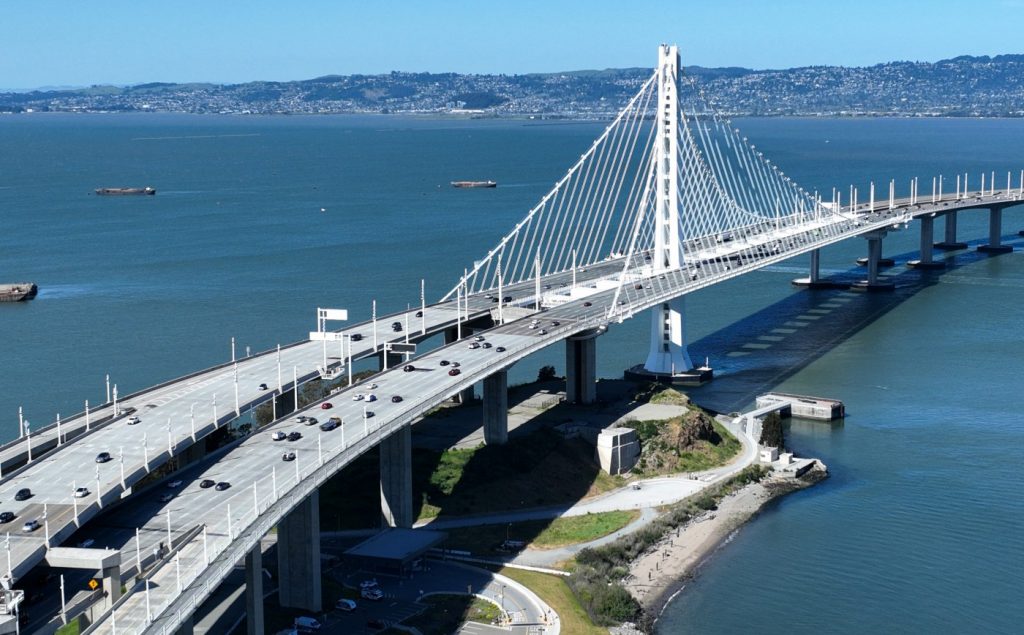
[358,396]
[81,492]
[279,435]
[345,604]
[474,345]
[372,593]
[373,386]
[133,420]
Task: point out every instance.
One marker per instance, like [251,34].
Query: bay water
[260,220]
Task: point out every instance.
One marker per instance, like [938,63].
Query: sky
[78,43]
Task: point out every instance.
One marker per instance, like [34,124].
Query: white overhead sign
[333,314]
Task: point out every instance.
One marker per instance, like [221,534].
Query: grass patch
[543,534]
[557,594]
[71,628]
[449,611]
[662,455]
[670,396]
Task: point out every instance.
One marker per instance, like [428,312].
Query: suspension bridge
[668,200]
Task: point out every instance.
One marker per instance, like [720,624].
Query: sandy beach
[660,572]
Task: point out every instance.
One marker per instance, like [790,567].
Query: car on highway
[288,456]
[419,314]
[103,457]
[371,397]
[479,338]
[358,396]
[279,435]
[133,420]
[311,421]
[301,418]
[454,371]
[330,424]
[444,362]
[396,398]
[326,405]
[368,584]
[456,364]
[543,332]
[500,349]
[294,435]
[588,303]
[507,299]
[373,386]
[175,483]
[345,604]
[369,413]
[486,345]
[408,368]
[223,485]
[556,323]
[30,526]
[473,345]
[207,483]
[81,492]
[355,337]
[6,517]
[263,386]
[23,494]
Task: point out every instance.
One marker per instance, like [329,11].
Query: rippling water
[260,220]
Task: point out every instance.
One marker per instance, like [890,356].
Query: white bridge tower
[668,355]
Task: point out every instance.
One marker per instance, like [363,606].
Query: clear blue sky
[79,42]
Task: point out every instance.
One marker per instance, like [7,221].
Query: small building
[618,450]
[769,455]
[393,551]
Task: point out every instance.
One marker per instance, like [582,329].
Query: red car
[326,405]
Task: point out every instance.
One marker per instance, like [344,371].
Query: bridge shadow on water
[755,354]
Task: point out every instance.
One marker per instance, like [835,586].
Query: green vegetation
[690,443]
[597,578]
[542,534]
[556,593]
[449,611]
[546,373]
[771,432]
[74,627]
[536,470]
[660,394]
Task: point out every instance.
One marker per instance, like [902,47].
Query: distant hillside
[962,86]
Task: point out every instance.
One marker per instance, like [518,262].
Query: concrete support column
[496,408]
[950,242]
[451,335]
[254,591]
[872,261]
[581,370]
[927,238]
[393,359]
[112,584]
[396,479]
[995,233]
[298,556]
[815,266]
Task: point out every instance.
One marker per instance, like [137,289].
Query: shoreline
[661,573]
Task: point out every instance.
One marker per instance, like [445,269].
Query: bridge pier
[950,243]
[298,556]
[496,408]
[813,279]
[451,335]
[254,591]
[668,361]
[396,479]
[874,256]
[995,233]
[927,236]
[581,369]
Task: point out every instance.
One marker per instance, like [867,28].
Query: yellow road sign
[94,584]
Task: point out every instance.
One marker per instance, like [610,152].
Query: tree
[771,432]
[546,373]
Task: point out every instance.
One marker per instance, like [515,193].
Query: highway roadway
[264,487]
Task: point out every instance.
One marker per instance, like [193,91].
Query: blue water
[258,221]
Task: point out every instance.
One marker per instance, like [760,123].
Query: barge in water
[125,191]
[18,291]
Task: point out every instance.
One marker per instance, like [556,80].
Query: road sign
[333,314]
[94,584]
[395,347]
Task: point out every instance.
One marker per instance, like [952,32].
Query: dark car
[369,413]
[206,483]
[328,425]
[556,323]
[456,364]
[500,349]
[355,337]
[103,457]
[326,405]
[396,326]
[294,436]
[485,345]
[508,298]
[223,485]
[6,517]
[263,386]
[419,314]
[23,494]
[588,303]
[454,371]
[444,362]
[288,456]
[408,368]
[396,398]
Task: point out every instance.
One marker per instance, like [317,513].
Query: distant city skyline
[71,43]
